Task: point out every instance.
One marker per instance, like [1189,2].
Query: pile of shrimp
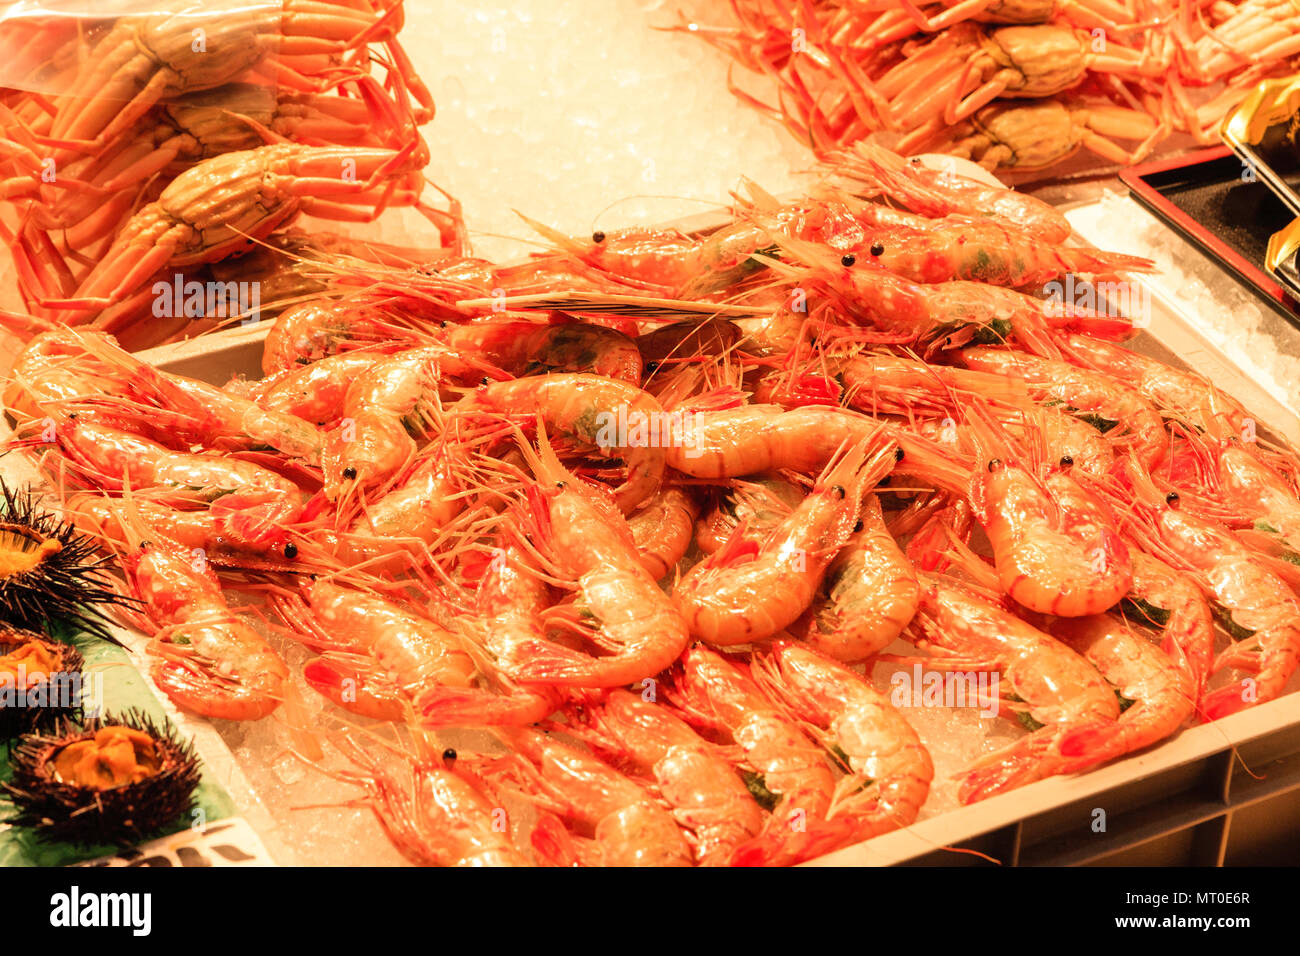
[1017,86]
[653,508]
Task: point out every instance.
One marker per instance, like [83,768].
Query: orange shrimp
[385,405]
[1255,599]
[939,192]
[253,504]
[617,418]
[668,261]
[958,248]
[662,530]
[703,790]
[1047,680]
[378,656]
[628,826]
[209,661]
[580,536]
[512,598]
[869,594]
[1162,694]
[561,345]
[747,592]
[1185,394]
[193,531]
[1057,547]
[1170,600]
[948,312]
[315,392]
[440,816]
[887,770]
[755,507]
[311,331]
[789,772]
[1120,412]
[220,419]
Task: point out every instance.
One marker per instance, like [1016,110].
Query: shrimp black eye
[848,260]
[291,550]
[899,453]
[561,485]
[1171,499]
[877,248]
[350,473]
[449,755]
[857,527]
[1066,461]
[884,481]
[597,236]
[839,490]
[995,464]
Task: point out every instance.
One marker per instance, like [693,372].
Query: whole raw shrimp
[511,599]
[667,261]
[788,772]
[1120,412]
[220,419]
[315,393]
[752,508]
[941,192]
[308,332]
[929,312]
[957,248]
[560,345]
[254,504]
[208,660]
[626,825]
[1255,599]
[1185,394]
[193,531]
[1162,694]
[1057,546]
[703,789]
[438,816]
[868,596]
[377,656]
[887,770]
[1171,601]
[395,398]
[580,536]
[748,591]
[663,528]
[617,418]
[1040,675]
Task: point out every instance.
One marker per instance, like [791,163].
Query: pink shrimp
[747,592]
[789,773]
[887,770]
[1048,681]
[703,789]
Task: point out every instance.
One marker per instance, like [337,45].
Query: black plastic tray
[1212,199]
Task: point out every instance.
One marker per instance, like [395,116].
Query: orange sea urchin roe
[36,660]
[19,553]
[115,757]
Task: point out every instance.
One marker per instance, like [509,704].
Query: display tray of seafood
[803,532]
[856,525]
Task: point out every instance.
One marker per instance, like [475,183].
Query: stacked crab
[143,152]
[1017,85]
